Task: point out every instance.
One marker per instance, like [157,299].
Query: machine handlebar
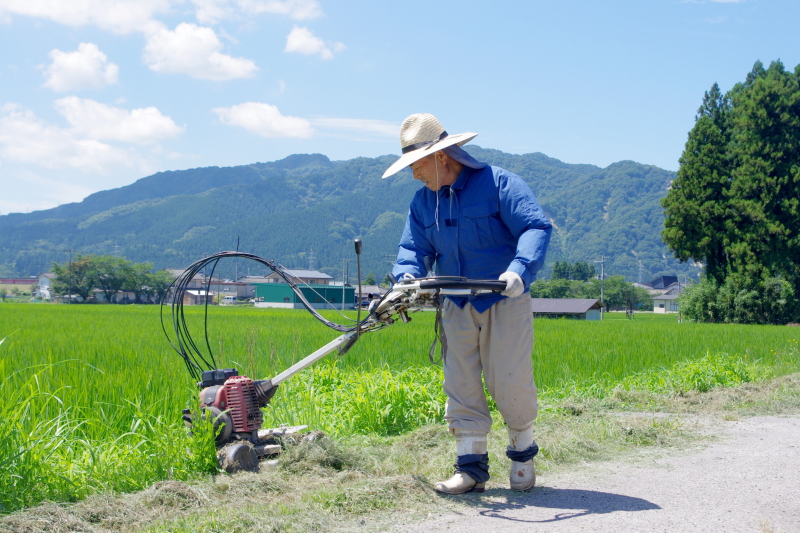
[450,283]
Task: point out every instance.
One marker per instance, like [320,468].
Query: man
[479,222]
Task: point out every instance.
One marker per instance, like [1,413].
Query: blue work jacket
[488,223]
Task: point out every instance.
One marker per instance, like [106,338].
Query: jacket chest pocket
[482,224]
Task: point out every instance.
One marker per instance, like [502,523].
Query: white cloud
[118,16]
[25,138]
[192,50]
[264,120]
[86,68]
[369,126]
[295,9]
[303,41]
[212,11]
[107,123]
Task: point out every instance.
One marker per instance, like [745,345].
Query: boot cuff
[524,455]
[476,465]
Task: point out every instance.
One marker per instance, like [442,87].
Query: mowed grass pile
[92,394]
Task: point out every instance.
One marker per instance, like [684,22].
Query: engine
[234,403]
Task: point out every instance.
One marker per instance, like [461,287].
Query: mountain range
[304,211]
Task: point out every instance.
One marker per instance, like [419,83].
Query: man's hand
[514,284]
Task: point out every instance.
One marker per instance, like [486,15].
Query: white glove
[407,277]
[514,284]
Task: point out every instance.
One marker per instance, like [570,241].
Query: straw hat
[420,135]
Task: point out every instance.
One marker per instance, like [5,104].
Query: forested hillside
[284,209]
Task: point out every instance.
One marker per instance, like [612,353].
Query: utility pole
[69,269]
[344,278]
[602,284]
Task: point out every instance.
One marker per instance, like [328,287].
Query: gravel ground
[747,480]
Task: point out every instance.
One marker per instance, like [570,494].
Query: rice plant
[92,394]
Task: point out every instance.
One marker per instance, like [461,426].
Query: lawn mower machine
[234,402]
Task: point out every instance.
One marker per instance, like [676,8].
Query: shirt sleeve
[414,248]
[525,219]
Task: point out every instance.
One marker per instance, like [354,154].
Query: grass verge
[367,482]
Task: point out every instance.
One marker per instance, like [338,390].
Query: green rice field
[92,394]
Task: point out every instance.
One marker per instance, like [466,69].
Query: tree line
[734,206]
[110,274]
[618,293]
[579,271]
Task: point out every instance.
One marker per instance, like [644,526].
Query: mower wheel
[237,457]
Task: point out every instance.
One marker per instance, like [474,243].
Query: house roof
[253,279]
[675,288]
[666,297]
[50,275]
[307,274]
[563,305]
[663,282]
[371,289]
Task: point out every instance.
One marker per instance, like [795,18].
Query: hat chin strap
[436,164]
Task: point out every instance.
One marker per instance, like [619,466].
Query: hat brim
[412,157]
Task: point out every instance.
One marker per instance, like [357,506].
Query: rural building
[238,290]
[198,297]
[667,302]
[281,295]
[577,308]
[370,292]
[44,290]
[310,277]
[18,281]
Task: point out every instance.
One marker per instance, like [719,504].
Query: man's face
[425,171]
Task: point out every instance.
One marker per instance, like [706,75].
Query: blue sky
[95,94]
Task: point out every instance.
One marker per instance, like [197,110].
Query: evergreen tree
[561,270]
[696,205]
[735,204]
[765,189]
[582,271]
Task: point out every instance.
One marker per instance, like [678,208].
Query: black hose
[196,360]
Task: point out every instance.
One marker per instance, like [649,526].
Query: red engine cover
[238,397]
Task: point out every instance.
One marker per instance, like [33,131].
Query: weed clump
[700,375]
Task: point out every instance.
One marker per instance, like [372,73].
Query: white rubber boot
[467,442]
[523,475]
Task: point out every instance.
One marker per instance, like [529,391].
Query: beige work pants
[497,343]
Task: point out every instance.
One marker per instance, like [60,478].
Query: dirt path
[748,480]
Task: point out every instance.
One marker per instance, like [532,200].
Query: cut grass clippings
[367,482]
